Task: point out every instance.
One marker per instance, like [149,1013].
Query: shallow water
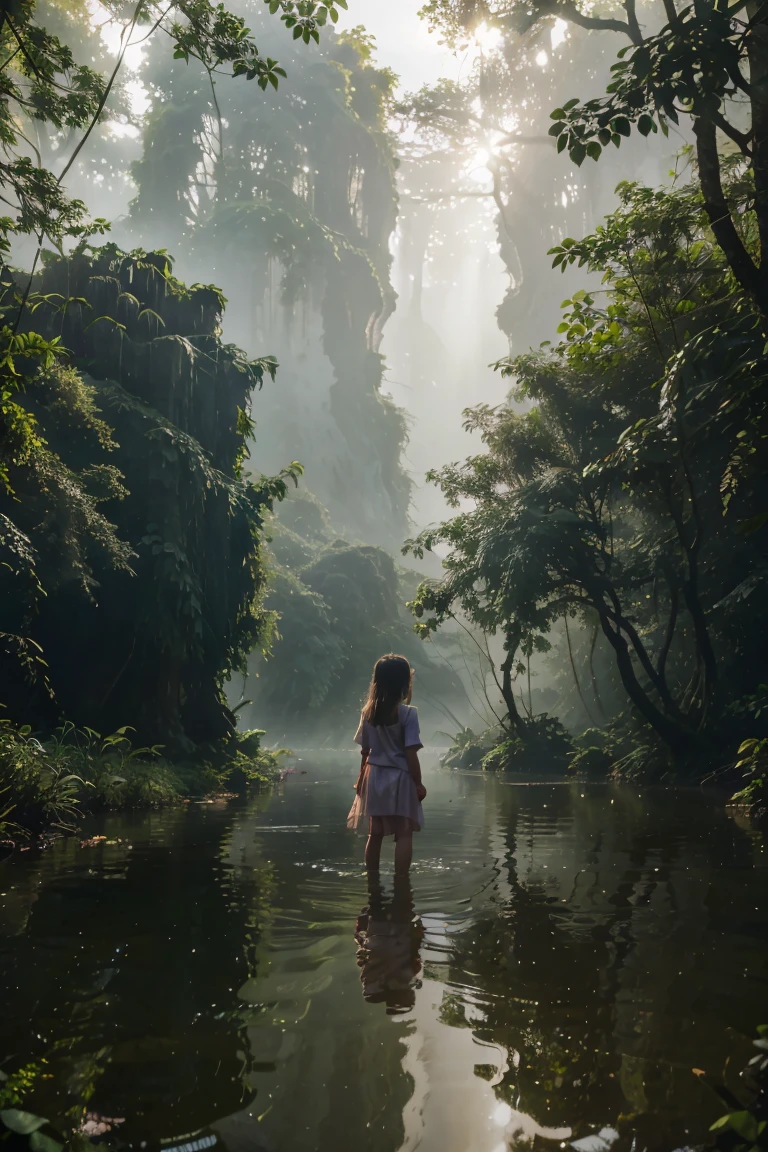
[562,960]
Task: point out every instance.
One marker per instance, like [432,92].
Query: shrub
[753,761]
[542,748]
[51,783]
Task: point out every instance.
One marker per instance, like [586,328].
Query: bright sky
[403,42]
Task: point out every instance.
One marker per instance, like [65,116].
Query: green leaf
[558,114]
[557,128]
[39,1142]
[577,153]
[645,125]
[744,1124]
[23,1123]
[721,1124]
[594,150]
[753,524]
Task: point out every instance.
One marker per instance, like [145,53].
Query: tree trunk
[674,736]
[757,51]
[721,222]
[511,642]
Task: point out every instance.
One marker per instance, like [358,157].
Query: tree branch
[757,52]
[721,222]
[576,680]
[742,139]
[634,28]
[569,11]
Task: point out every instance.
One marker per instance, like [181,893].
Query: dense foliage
[631,492]
[135,565]
[130,536]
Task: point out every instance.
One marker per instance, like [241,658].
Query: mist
[381,223]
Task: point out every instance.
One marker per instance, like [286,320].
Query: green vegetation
[291,207]
[337,606]
[51,783]
[135,569]
[130,570]
[742,1128]
[631,494]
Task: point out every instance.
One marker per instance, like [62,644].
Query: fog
[455,232]
[448,271]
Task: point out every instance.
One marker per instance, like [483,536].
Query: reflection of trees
[606,991]
[125,980]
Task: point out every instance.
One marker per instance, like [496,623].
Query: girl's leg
[403,853]
[373,852]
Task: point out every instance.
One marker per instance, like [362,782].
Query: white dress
[388,793]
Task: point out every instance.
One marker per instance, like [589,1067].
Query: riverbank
[49,782]
[622,754]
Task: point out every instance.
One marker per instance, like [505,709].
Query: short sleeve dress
[387,796]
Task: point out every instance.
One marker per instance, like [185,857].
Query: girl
[389,788]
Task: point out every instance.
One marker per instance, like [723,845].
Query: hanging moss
[159,596]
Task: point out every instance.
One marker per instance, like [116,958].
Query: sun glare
[542,59]
[487,39]
[558,33]
[478,167]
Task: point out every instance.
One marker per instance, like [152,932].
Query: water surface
[565,959]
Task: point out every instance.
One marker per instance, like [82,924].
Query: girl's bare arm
[412,760]
[364,752]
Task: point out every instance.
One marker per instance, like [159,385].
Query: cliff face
[144,633]
[290,203]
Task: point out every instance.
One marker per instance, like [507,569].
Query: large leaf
[39,1142]
[24,1123]
[745,1125]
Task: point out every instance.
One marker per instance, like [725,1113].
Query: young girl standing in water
[389,788]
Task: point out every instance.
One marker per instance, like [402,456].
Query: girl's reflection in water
[389,936]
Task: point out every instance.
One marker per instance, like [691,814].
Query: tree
[290,207]
[54,532]
[484,143]
[604,500]
[707,63]
[144,534]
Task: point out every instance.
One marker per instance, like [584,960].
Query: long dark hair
[390,685]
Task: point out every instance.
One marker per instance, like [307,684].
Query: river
[566,960]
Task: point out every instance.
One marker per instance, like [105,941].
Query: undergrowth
[50,782]
[541,748]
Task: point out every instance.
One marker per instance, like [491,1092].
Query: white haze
[443,336]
